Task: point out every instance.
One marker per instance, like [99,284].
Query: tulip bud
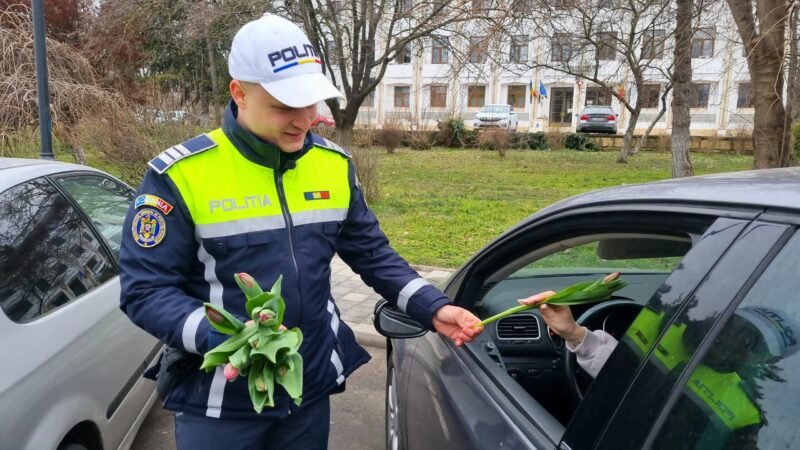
[282,370]
[264,316]
[261,384]
[230,372]
[610,277]
[247,280]
[214,316]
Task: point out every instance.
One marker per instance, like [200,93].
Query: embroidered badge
[318,195]
[154,201]
[149,228]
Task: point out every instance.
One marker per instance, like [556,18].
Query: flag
[542,90]
[621,90]
[530,89]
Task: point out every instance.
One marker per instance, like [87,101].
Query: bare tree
[74,91]
[762,25]
[358,39]
[606,42]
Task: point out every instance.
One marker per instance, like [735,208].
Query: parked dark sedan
[700,255]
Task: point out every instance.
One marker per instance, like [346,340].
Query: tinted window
[48,254]
[598,111]
[743,393]
[671,329]
[105,202]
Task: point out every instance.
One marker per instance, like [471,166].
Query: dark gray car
[697,253]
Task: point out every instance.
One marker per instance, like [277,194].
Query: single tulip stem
[508,312]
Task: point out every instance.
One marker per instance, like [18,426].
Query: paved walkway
[356,300]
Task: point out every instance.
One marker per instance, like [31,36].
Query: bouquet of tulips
[262,349]
[577,294]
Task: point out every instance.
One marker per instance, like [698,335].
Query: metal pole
[40,49]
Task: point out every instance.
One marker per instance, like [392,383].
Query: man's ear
[239,93]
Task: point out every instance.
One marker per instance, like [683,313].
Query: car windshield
[598,111]
[495,109]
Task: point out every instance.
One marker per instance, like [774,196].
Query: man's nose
[305,116]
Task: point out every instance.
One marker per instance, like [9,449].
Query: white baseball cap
[276,54]
[778,329]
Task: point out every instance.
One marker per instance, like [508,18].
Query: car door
[685,406]
[465,398]
[129,350]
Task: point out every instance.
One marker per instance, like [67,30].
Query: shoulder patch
[170,156]
[320,141]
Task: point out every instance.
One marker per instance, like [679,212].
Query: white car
[496,116]
[72,361]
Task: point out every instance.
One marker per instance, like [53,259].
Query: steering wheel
[594,318]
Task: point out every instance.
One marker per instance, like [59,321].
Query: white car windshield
[495,109]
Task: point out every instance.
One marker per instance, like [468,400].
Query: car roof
[769,188]
[14,171]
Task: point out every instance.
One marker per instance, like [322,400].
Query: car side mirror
[393,323]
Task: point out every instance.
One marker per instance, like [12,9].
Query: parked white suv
[72,361]
[496,116]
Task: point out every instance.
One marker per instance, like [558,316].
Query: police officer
[263,195]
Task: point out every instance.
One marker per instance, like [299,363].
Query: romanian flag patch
[154,201]
[318,195]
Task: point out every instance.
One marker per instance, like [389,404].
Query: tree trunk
[791,88]
[770,133]
[213,107]
[627,141]
[682,91]
[78,154]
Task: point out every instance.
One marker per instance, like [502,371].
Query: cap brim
[301,91]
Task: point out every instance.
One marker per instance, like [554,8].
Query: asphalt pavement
[357,415]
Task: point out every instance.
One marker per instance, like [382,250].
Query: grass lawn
[438,207]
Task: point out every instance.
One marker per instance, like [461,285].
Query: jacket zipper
[288,218]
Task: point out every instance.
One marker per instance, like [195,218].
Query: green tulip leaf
[222,320]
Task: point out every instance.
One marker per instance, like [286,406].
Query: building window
[703,43]
[438,96]
[477,50]
[606,46]
[402,96]
[519,49]
[516,95]
[561,47]
[745,97]
[653,44]
[476,96]
[700,94]
[404,55]
[439,53]
[651,95]
[598,96]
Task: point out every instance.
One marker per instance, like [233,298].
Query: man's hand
[456,323]
[558,318]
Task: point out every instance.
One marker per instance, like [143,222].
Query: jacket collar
[253,147]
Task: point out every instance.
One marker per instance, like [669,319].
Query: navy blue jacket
[164,285]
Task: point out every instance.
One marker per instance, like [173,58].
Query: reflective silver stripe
[338,364]
[334,318]
[215,393]
[319,216]
[217,389]
[190,329]
[241,226]
[181,149]
[165,157]
[174,153]
[408,291]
